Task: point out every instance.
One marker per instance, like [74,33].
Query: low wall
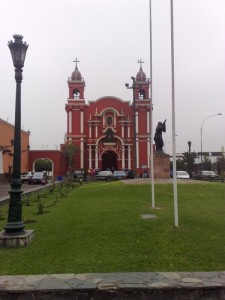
[115,286]
[4,178]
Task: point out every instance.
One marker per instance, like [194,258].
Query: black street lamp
[189,146]
[190,163]
[134,127]
[15,225]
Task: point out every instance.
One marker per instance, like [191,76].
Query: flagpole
[151,108]
[173,121]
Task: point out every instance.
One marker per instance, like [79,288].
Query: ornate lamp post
[15,225]
[134,121]
[190,160]
[189,147]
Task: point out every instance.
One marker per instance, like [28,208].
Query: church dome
[140,75]
[76,75]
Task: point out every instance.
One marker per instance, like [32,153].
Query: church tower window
[76,94]
[141,94]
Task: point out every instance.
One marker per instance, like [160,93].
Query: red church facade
[104,130]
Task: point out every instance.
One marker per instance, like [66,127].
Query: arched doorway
[109,160]
[44,164]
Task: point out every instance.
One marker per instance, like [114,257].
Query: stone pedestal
[161,165]
[20,240]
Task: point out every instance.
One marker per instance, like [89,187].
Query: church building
[110,133]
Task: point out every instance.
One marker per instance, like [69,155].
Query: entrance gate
[109,160]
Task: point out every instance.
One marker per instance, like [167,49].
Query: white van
[207,173]
[183,175]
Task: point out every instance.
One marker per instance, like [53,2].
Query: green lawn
[97,227]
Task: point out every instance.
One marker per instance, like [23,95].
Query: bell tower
[76,84]
[75,109]
[141,84]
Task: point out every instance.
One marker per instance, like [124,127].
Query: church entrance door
[109,160]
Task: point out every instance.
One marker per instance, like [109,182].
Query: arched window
[76,94]
[141,94]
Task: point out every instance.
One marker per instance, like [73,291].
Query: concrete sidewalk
[161,180]
[26,188]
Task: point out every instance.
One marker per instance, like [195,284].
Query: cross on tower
[140,61]
[76,61]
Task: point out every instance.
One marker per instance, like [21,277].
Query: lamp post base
[16,240]
[15,223]
[14,228]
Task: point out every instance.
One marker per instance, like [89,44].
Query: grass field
[97,227]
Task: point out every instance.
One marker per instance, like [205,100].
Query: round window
[109,120]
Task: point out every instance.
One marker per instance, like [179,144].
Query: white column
[122,131]
[128,131]
[96,157]
[81,121]
[137,154]
[148,122]
[70,121]
[137,140]
[148,152]
[90,157]
[89,131]
[129,161]
[123,157]
[82,153]
[1,163]
[96,131]
[136,121]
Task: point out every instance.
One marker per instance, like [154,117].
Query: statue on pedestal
[161,127]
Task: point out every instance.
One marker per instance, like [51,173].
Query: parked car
[119,175]
[104,175]
[38,178]
[80,175]
[25,176]
[145,174]
[130,174]
[183,175]
[206,175]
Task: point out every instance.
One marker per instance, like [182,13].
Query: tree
[69,153]
[43,165]
[220,165]
[189,162]
[206,164]
[180,165]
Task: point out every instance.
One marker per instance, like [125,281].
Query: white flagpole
[151,115]
[173,122]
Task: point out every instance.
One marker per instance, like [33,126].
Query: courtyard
[98,227]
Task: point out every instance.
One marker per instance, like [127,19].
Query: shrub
[41,208]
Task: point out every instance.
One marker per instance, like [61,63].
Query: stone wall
[115,286]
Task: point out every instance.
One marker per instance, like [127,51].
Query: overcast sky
[108,37]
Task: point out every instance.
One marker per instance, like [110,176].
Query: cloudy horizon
[108,38]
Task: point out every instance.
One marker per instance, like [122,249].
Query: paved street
[5,188]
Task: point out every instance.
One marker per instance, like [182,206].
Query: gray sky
[108,37]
